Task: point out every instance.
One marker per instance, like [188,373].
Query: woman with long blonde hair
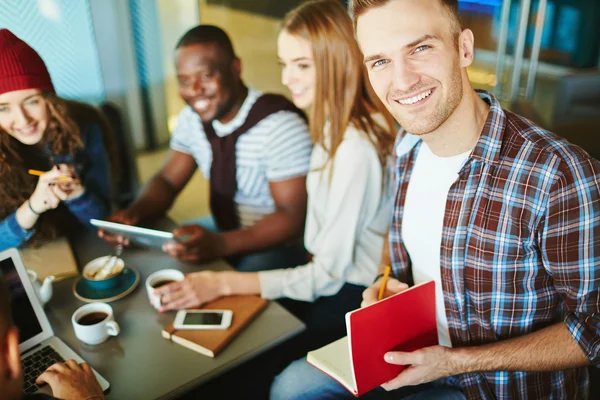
[40,131]
[349,206]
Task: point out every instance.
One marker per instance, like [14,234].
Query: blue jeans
[302,381]
[283,256]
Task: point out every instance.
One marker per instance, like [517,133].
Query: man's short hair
[360,7]
[5,308]
[208,34]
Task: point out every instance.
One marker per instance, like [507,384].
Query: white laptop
[38,345]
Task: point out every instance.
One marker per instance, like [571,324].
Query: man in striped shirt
[503,216]
[254,148]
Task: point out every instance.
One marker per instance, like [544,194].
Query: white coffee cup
[162,275]
[90,328]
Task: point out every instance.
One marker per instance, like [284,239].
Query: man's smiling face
[412,57]
[207,79]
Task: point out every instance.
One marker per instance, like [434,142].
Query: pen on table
[40,173]
[386,274]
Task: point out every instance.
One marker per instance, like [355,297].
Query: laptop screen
[22,310]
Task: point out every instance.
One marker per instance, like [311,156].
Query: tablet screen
[139,235]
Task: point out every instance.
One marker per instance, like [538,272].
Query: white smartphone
[203,319]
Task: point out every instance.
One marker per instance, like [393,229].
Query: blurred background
[540,57]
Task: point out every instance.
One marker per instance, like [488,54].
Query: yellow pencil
[40,173]
[386,274]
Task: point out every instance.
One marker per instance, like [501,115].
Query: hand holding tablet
[142,236]
[189,243]
[194,243]
[123,217]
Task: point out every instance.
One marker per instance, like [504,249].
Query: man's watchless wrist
[226,244]
[461,360]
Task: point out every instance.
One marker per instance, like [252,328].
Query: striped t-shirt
[276,149]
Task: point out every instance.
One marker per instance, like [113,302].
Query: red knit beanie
[20,66]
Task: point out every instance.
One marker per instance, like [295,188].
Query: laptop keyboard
[35,364]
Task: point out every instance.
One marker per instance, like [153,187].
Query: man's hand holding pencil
[384,286]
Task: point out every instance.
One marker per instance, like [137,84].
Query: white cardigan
[346,222]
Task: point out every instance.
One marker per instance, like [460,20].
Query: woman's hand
[71,189]
[46,195]
[196,289]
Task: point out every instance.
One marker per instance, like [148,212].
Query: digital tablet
[142,236]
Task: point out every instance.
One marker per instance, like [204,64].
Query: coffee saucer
[130,278]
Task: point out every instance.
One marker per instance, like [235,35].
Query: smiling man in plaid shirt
[502,214]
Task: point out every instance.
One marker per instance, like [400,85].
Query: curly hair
[62,136]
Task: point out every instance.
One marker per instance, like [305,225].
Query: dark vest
[223,177]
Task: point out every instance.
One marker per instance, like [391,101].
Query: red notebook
[403,322]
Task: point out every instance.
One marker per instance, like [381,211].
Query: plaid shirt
[520,249]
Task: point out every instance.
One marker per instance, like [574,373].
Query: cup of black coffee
[158,279]
[94,323]
[92,318]
[162,282]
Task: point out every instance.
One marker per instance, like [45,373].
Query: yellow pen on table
[40,173]
[386,274]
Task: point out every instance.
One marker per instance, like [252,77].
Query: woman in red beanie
[40,131]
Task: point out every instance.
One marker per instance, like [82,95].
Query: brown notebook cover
[52,258]
[211,342]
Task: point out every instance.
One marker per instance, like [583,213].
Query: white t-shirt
[346,222]
[423,219]
[276,149]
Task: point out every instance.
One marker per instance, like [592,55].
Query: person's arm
[205,286]
[158,194]
[569,242]
[160,191]
[287,158]
[18,227]
[551,348]
[12,234]
[281,226]
[354,197]
[548,349]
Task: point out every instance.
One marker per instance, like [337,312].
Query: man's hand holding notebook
[403,322]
